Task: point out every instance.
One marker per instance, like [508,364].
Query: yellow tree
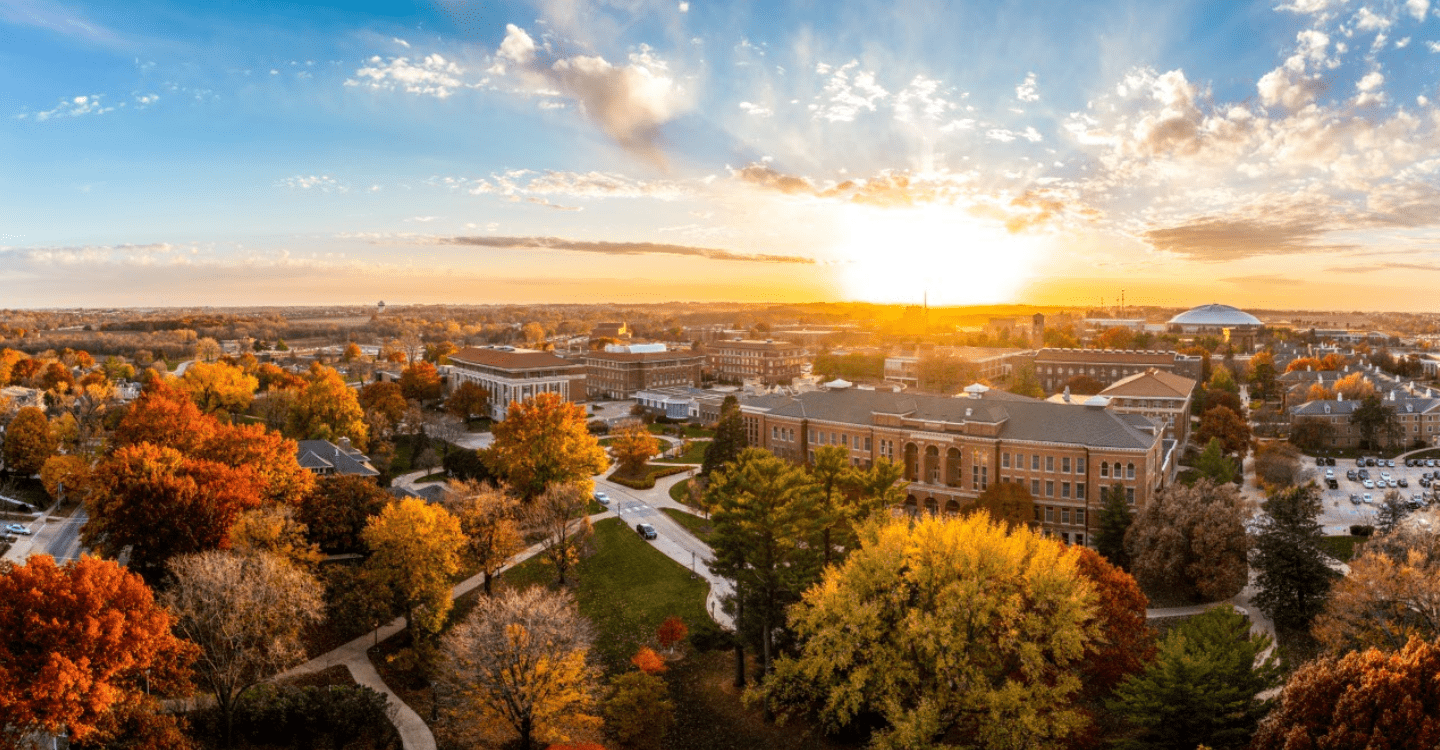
[633,446]
[558,516]
[1354,387]
[489,518]
[1391,595]
[276,530]
[521,657]
[543,442]
[978,629]
[28,442]
[218,387]
[415,551]
[327,409]
[70,472]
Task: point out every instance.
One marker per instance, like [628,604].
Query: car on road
[15,528]
[602,498]
[645,530]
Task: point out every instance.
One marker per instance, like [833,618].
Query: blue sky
[1262,154]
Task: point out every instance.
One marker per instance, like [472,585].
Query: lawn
[694,524]
[680,492]
[438,476]
[1341,548]
[694,455]
[691,431]
[626,588]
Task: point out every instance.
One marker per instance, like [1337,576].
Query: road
[57,537]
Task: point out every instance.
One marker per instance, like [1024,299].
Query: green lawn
[694,524]
[691,431]
[694,455]
[626,588]
[1341,548]
[438,476]
[680,492]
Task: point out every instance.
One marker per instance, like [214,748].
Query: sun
[902,255]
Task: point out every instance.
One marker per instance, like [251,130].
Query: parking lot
[1340,513]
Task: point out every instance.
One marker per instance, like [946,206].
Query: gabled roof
[1151,384]
[510,360]
[321,454]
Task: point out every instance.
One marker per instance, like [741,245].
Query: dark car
[646,530]
[1351,475]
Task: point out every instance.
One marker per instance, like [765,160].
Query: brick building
[952,448]
[620,374]
[511,374]
[1056,366]
[771,362]
[1163,396]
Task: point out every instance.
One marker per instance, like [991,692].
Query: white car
[15,528]
[1368,499]
[1369,485]
[602,498]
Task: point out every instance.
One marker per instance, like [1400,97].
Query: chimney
[344,445]
[1067,394]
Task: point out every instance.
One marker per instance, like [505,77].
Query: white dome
[1219,316]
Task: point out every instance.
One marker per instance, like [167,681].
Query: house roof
[321,454]
[643,356]
[1019,417]
[510,360]
[1152,383]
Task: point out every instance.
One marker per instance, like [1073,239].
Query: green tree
[765,524]
[1115,519]
[1392,511]
[1293,578]
[1214,465]
[28,442]
[954,631]
[1027,383]
[831,473]
[1202,689]
[639,712]
[1377,422]
[729,438]
[1262,375]
[415,551]
[543,442]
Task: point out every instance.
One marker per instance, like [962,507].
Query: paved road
[57,537]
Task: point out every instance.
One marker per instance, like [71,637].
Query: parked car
[15,528]
[1429,462]
[602,498]
[1368,500]
[1354,499]
[1332,484]
[1351,475]
[1329,473]
[645,530]
[1390,462]
[1403,482]
[1369,485]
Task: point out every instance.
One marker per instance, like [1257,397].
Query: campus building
[1055,367]
[621,374]
[988,363]
[1162,396]
[771,362]
[953,448]
[511,374]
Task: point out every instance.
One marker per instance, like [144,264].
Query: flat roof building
[621,374]
[512,375]
[770,362]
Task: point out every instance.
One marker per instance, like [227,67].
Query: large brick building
[511,374]
[952,448]
[620,374]
[770,362]
[1163,396]
[1056,366]
[989,363]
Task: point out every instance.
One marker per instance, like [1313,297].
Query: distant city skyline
[1278,155]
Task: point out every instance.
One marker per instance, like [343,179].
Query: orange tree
[384,398]
[1009,503]
[1230,428]
[28,442]
[80,641]
[1126,642]
[420,382]
[327,409]
[336,510]
[543,442]
[1366,699]
[633,446]
[218,387]
[468,398]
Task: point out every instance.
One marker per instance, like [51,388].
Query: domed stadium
[1234,325]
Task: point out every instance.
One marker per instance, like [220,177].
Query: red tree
[81,641]
[1127,642]
[671,632]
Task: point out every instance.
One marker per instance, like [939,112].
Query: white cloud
[684,6]
[432,75]
[1369,20]
[1310,6]
[1001,135]
[755,110]
[1418,8]
[321,182]
[1433,46]
[1372,80]
[73,107]
[145,100]
[1027,91]
[400,42]
[921,99]
[848,91]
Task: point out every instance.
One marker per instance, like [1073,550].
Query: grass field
[691,431]
[694,455]
[694,524]
[626,588]
[1341,548]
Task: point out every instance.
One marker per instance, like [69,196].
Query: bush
[1361,530]
[707,636]
[598,427]
[648,481]
[337,716]
[462,463]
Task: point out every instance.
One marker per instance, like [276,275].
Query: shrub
[707,636]
[1361,530]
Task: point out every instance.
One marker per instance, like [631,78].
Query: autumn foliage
[671,632]
[1126,642]
[647,661]
[78,641]
[28,442]
[1368,699]
[544,442]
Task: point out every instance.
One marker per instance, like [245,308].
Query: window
[1065,515]
[1080,516]
[811,436]
[1004,460]
[1080,540]
[1130,495]
[1019,460]
[1080,465]
[774,433]
[1065,537]
[1064,489]
[1065,465]
[1035,488]
[1049,463]
[867,443]
[1035,462]
[1050,489]
[1049,514]
[1079,491]
[845,440]
[1037,512]
[1104,468]
[1129,471]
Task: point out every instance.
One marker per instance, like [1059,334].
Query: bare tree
[521,656]
[245,612]
[558,514]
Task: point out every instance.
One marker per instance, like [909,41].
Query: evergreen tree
[1115,520]
[729,438]
[1377,422]
[1214,465]
[1201,689]
[1292,575]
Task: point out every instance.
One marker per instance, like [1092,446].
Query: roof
[754,344]
[1215,315]
[1151,384]
[1110,356]
[322,454]
[1020,418]
[643,356]
[510,360]
[1347,407]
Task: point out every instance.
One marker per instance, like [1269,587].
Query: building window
[1080,540]
[1130,495]
[774,432]
[1065,515]
[867,443]
[1079,516]
[1035,462]
[1035,488]
[1065,465]
[1079,491]
[1037,512]
[1004,460]
[1065,489]
[1104,468]
[1129,471]
[1050,489]
[1049,463]
[1080,465]
[1049,514]
[1065,537]
[1019,460]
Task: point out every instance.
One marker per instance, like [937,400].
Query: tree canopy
[729,438]
[1191,541]
[28,442]
[542,442]
[1293,577]
[327,409]
[415,551]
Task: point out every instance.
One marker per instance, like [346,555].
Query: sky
[1264,155]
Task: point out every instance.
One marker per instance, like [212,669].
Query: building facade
[990,363]
[1162,396]
[512,375]
[620,375]
[1417,420]
[953,448]
[1055,367]
[771,362]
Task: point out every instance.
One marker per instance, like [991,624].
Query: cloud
[400,42]
[1027,91]
[1232,237]
[766,177]
[619,248]
[320,182]
[627,102]
[54,17]
[76,106]
[1373,267]
[922,100]
[849,91]
[1417,8]
[755,110]
[432,75]
[1263,280]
